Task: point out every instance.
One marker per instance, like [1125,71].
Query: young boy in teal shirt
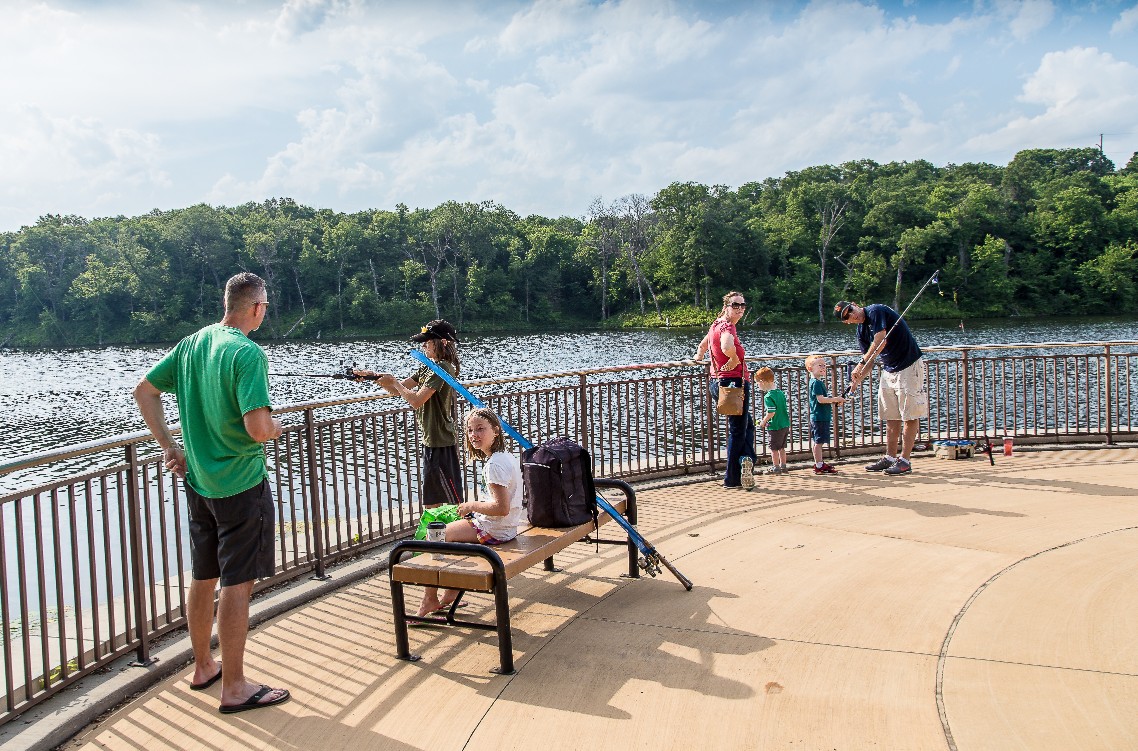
[820,412]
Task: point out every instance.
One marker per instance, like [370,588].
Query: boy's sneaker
[825,469]
[747,473]
[900,467]
[773,470]
[880,465]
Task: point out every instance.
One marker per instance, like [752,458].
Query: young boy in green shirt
[777,418]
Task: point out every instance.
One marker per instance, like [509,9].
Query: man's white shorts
[903,395]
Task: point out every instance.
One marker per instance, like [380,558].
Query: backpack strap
[586,464]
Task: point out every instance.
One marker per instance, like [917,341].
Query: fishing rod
[292,327]
[876,350]
[350,372]
[650,560]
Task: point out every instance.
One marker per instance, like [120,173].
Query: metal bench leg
[549,565]
[633,551]
[398,609]
[502,616]
[454,606]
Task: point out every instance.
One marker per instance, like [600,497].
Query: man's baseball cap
[437,329]
[842,309]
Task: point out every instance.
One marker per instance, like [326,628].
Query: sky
[120,107]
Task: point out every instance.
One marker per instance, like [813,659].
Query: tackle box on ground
[962,449]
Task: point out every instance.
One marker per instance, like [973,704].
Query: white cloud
[1081,91]
[396,94]
[299,17]
[604,90]
[42,154]
[1126,23]
[1029,17]
[545,23]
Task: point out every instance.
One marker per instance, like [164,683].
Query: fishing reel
[352,373]
[648,565]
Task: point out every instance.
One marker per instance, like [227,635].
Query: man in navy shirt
[902,395]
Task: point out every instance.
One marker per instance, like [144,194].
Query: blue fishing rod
[650,560]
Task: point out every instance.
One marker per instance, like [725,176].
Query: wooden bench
[487,568]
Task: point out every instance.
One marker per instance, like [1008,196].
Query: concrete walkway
[962,607]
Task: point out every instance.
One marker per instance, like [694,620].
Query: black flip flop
[254,701]
[206,683]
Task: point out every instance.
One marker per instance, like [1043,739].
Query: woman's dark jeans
[740,430]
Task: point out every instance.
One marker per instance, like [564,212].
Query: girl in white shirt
[494,519]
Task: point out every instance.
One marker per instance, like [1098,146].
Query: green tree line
[1053,232]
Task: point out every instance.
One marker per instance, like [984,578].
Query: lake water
[50,398]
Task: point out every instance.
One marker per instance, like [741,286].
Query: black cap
[437,329]
[842,309]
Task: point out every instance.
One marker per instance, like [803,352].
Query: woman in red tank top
[729,368]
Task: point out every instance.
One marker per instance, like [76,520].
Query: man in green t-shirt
[220,380]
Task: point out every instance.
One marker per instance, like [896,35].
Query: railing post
[314,495]
[583,413]
[137,565]
[839,414]
[964,388]
[1109,405]
[711,418]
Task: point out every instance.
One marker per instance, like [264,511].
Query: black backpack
[557,483]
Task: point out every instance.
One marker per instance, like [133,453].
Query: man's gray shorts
[232,538]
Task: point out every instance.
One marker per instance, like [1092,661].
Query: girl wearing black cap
[433,401]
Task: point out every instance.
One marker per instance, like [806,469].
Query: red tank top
[718,358]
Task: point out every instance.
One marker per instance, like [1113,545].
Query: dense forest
[1053,232]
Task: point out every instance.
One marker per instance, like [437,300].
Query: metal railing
[94,566]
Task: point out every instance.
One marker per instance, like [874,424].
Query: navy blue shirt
[901,349]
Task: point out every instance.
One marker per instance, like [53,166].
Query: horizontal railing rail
[94,564]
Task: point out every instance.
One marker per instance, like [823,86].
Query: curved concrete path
[961,607]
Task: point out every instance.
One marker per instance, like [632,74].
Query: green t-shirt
[436,416]
[217,374]
[819,412]
[775,401]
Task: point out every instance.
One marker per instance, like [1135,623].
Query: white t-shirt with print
[502,468]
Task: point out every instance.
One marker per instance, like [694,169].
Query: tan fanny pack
[730,401]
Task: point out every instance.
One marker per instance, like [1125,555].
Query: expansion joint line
[943,656]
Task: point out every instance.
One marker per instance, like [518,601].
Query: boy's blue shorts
[819,432]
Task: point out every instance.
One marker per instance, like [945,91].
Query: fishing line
[349,372]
